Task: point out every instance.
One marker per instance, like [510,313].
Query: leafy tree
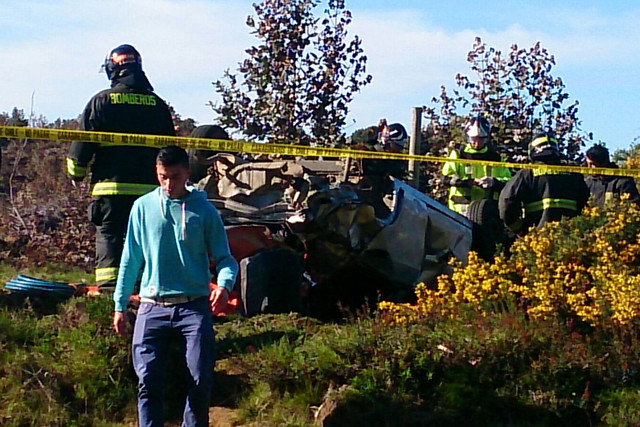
[364,136]
[518,94]
[629,157]
[295,86]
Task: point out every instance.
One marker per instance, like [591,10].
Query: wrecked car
[309,240]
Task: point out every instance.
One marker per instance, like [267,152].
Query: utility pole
[414,144]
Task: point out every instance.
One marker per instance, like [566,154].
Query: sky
[53,50]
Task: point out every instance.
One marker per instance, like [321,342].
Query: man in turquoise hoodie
[172,235]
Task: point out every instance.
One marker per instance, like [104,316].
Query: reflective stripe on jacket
[551,203]
[533,199]
[121,109]
[460,197]
[106,188]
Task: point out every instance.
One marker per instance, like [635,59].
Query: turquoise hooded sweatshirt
[173,240]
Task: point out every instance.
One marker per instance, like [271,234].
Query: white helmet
[477,127]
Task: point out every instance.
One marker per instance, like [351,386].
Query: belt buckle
[167,301]
[173,300]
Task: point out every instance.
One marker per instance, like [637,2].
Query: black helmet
[542,146]
[198,163]
[397,134]
[123,56]
[477,127]
[210,132]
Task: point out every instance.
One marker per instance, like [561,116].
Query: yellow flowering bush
[585,268]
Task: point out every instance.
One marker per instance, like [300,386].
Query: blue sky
[52,52]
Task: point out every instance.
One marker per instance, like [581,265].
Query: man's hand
[218,298]
[120,322]
[485,182]
[459,182]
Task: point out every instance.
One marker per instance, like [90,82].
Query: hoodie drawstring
[183,222]
[183,216]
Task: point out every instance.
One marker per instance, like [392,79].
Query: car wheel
[488,228]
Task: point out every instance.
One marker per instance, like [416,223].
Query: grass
[61,364]
[67,367]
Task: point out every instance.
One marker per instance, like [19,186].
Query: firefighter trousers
[110,215]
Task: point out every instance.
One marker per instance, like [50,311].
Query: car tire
[488,228]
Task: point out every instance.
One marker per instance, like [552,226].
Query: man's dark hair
[172,155]
[599,155]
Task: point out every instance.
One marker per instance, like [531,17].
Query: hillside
[44,216]
[547,336]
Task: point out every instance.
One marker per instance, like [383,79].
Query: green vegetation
[69,368]
[62,369]
[572,361]
[562,351]
[50,271]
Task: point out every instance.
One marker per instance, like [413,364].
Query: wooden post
[414,145]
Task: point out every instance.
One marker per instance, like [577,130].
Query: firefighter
[392,139]
[376,180]
[474,182]
[605,188]
[198,163]
[534,197]
[119,173]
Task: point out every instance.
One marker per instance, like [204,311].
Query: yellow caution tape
[238,146]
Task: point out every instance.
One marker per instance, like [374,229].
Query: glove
[458,182]
[485,182]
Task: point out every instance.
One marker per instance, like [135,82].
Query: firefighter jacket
[129,106]
[535,197]
[605,188]
[384,167]
[462,191]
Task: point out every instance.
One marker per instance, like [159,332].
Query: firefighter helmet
[477,127]
[543,145]
[397,134]
[122,56]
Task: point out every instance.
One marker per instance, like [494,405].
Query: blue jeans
[156,326]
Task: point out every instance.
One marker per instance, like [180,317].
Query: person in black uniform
[376,173]
[119,173]
[605,188]
[390,139]
[543,196]
[198,164]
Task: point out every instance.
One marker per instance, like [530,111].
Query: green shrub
[620,408]
[67,368]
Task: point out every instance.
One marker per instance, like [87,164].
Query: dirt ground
[221,417]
